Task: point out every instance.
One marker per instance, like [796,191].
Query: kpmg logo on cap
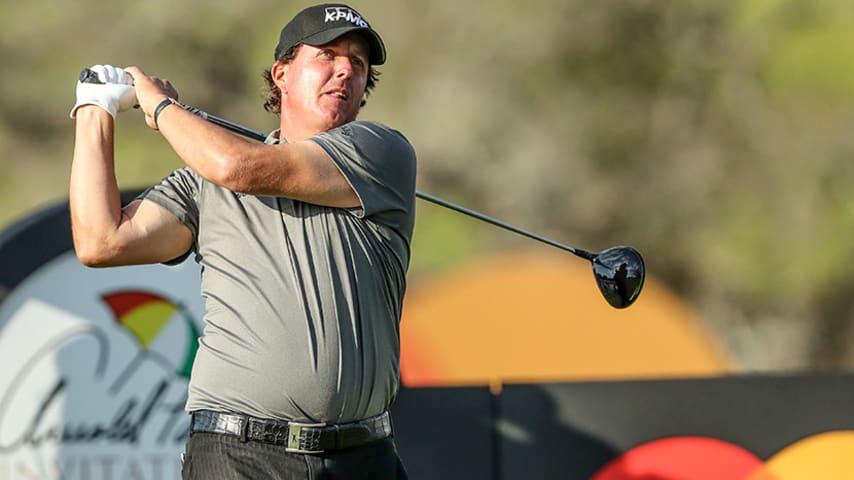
[335,14]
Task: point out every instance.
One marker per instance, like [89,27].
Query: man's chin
[335,121]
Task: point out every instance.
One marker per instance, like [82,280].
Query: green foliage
[442,239]
[814,65]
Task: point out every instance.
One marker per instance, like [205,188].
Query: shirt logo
[335,14]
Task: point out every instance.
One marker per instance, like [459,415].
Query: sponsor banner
[95,362]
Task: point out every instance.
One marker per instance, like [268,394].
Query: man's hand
[150,91]
[107,87]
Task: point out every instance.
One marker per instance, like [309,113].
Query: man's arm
[104,233]
[300,170]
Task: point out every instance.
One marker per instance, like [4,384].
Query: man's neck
[294,131]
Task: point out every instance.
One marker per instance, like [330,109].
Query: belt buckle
[304,438]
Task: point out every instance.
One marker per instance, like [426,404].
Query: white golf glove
[106,86]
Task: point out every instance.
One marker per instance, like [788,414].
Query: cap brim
[374,41]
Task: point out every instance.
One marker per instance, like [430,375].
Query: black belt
[295,437]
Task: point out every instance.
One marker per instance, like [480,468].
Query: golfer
[303,243]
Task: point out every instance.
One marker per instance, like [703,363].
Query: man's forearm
[215,154]
[93,192]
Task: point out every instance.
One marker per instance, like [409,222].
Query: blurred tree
[713,136]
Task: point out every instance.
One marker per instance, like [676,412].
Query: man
[303,242]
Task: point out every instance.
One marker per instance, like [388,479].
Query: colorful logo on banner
[822,456]
[145,317]
[95,370]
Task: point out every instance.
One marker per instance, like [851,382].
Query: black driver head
[619,272]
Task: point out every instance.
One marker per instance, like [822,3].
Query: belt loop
[244,429]
[339,437]
[192,423]
[388,424]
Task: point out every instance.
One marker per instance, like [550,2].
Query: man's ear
[278,72]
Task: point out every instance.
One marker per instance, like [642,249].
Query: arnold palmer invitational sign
[95,362]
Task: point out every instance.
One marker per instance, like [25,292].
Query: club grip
[87,75]
[194,111]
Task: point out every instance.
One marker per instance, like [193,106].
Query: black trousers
[211,456]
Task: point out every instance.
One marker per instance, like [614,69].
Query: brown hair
[273,95]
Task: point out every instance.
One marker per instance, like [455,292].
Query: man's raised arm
[104,233]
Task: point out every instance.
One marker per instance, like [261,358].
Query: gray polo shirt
[303,302]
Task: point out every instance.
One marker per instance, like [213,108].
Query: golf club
[619,271]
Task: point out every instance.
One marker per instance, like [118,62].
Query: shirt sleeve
[178,194]
[380,165]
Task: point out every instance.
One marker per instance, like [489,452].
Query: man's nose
[343,67]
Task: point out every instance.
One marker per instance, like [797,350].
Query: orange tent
[539,317]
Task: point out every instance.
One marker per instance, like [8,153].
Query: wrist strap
[165,103]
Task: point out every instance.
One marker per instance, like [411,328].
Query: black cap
[321,24]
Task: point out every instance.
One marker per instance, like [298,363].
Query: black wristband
[165,103]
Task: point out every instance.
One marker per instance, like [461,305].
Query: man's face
[322,87]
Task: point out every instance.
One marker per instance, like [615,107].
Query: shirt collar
[273,138]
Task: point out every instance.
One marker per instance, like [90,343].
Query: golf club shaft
[499,223]
[253,134]
[240,129]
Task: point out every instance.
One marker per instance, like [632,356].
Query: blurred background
[715,137]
